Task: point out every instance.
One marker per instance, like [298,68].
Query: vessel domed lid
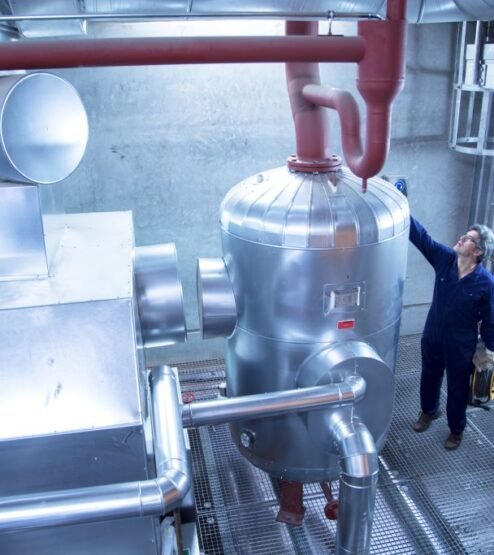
[308,210]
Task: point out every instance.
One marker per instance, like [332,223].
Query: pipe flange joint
[333,163]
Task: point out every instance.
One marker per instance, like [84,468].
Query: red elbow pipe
[381,76]
[363,162]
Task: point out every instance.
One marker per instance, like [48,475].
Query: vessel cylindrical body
[317,270]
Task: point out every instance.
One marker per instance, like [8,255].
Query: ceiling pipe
[170,16]
[43,54]
[418,11]
[381,76]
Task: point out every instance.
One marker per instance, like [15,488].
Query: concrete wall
[169,142]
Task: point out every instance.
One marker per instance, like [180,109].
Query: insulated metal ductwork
[44,128]
[121,500]
[68,11]
[217,310]
[419,11]
[159,295]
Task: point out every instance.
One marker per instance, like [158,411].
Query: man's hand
[483,358]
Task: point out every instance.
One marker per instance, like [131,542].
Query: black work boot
[424,421]
[453,441]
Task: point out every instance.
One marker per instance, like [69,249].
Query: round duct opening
[43,128]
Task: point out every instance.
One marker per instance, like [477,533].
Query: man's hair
[486,241]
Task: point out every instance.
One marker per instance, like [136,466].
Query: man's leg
[430,385]
[431,377]
[458,376]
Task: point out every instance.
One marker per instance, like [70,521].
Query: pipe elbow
[357,385]
[173,485]
[364,161]
[357,451]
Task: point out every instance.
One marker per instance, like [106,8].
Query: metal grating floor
[429,500]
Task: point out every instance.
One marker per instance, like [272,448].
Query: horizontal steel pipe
[42,54]
[132,499]
[251,407]
[80,505]
[187,16]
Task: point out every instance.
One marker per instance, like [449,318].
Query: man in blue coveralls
[463,297]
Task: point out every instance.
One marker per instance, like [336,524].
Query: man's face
[468,244]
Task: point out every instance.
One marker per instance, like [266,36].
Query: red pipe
[379,50]
[381,76]
[43,54]
[311,125]
[396,10]
[362,164]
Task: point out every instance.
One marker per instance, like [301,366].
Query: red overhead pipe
[379,50]
[380,77]
[43,54]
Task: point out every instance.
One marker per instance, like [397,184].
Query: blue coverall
[450,333]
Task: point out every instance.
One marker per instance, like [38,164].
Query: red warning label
[345,324]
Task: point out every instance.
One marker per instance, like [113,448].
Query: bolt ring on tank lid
[43,128]
[332,163]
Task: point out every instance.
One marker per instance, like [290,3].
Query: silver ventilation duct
[69,17]
[419,11]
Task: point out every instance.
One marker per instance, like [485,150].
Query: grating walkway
[429,500]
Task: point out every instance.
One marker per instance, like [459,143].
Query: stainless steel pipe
[212,15]
[358,481]
[133,499]
[170,453]
[250,407]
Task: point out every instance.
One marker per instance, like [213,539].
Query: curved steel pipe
[38,54]
[133,499]
[358,481]
[170,453]
[251,407]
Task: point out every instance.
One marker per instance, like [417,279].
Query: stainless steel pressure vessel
[317,270]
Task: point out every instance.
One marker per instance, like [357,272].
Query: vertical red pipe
[396,10]
[311,123]
[381,76]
